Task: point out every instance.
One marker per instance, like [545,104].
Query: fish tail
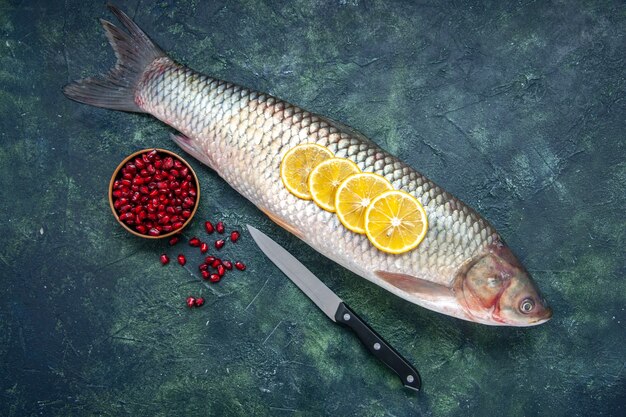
[116,89]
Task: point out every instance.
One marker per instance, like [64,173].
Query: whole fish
[462,268]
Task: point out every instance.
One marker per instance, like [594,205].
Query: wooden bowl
[133,156]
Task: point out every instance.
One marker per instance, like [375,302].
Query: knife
[336,309]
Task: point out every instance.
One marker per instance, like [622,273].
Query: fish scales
[461,268]
[242,128]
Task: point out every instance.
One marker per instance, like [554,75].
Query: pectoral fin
[413,285]
[282,223]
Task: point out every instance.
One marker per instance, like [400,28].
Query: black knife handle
[378,347]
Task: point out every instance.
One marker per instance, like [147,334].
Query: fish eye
[527,305]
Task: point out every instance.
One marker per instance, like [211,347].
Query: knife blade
[336,309]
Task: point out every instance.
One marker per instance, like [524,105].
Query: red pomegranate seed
[205,274]
[228,265]
[214,278]
[199,302]
[182,260]
[219,244]
[234,236]
[141,229]
[216,262]
[219,227]
[165,259]
[209,259]
[240,266]
[209,227]
[194,241]
[204,247]
[203,267]
[154,231]
[188,202]
[221,270]
[174,240]
[177,225]
[191,302]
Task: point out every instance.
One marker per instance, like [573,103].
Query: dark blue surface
[517,108]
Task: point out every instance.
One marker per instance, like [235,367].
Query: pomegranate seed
[219,227]
[177,225]
[199,302]
[168,163]
[203,267]
[150,155]
[216,262]
[204,248]
[174,240]
[219,244]
[188,202]
[234,236]
[240,266]
[191,302]
[205,274]
[194,241]
[165,259]
[228,265]
[214,278]
[182,260]
[209,227]
[154,231]
[220,270]
[209,259]
[141,229]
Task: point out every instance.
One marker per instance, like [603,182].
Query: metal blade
[315,289]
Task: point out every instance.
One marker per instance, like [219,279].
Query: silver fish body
[243,134]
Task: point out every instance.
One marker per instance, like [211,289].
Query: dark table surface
[518,108]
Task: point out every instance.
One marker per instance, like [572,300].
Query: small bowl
[115,177]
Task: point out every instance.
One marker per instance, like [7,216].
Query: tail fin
[116,89]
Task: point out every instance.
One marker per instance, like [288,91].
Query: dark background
[518,108]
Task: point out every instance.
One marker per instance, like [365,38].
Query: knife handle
[378,347]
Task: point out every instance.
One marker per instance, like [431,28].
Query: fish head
[496,289]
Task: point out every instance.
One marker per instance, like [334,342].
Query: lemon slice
[395,222]
[326,178]
[354,195]
[298,163]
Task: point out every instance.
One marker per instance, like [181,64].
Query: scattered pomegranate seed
[174,240]
[203,267]
[208,226]
[228,265]
[199,302]
[194,241]
[205,274]
[240,266]
[191,302]
[209,259]
[221,270]
[182,260]
[219,244]
[165,259]
[219,227]
[216,262]
[234,236]
[214,278]
[204,248]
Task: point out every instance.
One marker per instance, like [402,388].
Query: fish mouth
[547,315]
